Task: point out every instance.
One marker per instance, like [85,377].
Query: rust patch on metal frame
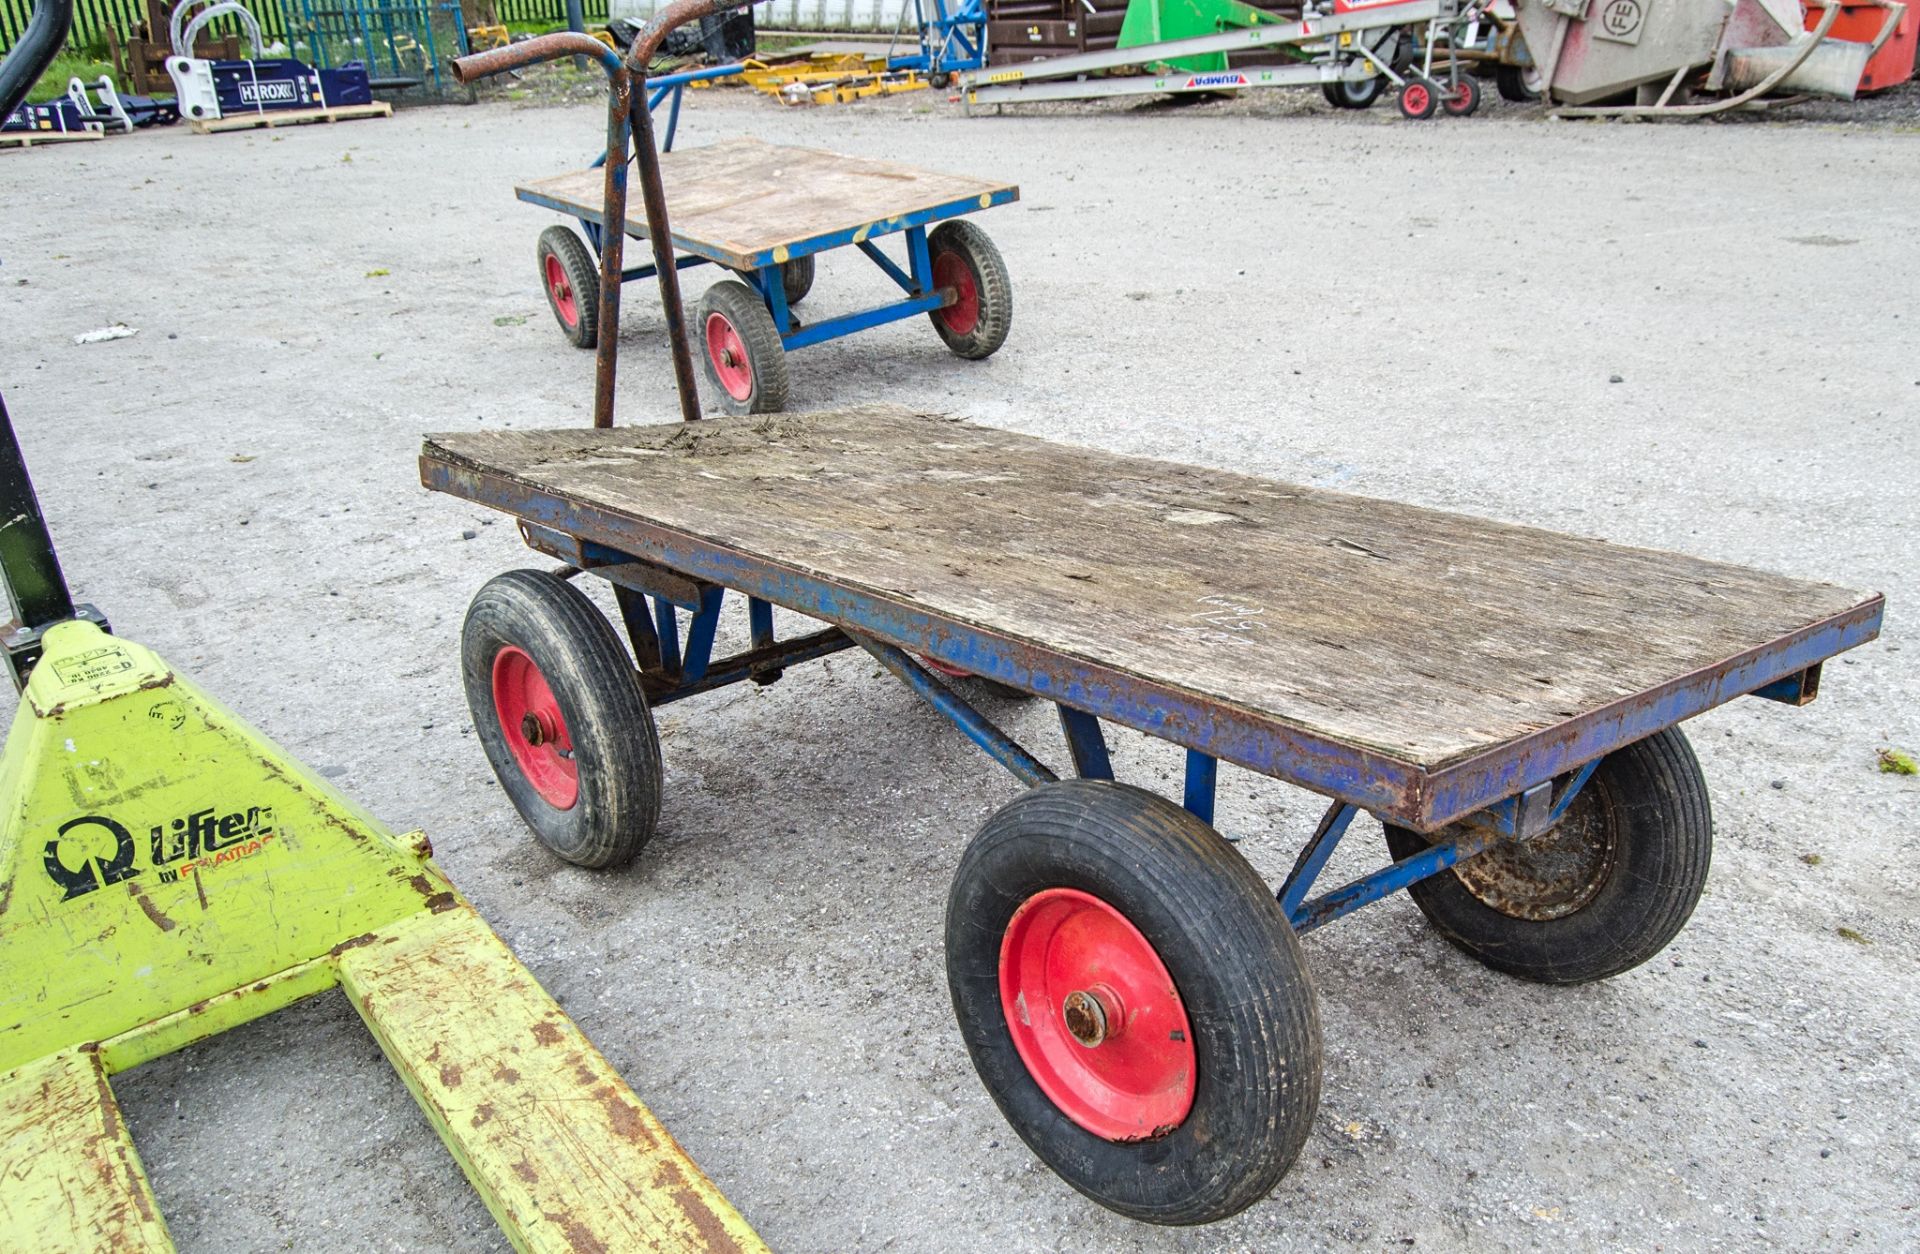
[153,912]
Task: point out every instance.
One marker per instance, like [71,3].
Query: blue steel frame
[1513,793]
[951,41]
[763,269]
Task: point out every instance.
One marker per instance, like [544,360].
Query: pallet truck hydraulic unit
[168,873]
[1505,701]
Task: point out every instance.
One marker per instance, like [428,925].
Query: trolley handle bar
[627,118]
[554,47]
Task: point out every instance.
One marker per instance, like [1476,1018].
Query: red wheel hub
[536,733]
[951,270]
[1095,1016]
[945,668]
[1462,96]
[728,352]
[562,291]
[1414,96]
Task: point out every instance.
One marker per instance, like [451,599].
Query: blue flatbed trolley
[766,212]
[1505,701]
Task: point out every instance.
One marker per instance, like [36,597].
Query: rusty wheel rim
[1553,875]
[562,291]
[1096,1017]
[534,728]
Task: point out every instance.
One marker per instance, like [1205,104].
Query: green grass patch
[1894,762]
[69,64]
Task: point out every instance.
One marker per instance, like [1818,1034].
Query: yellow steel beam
[166,873]
[531,1109]
[70,1178]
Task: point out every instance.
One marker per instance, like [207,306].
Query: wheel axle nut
[530,729]
[1093,1016]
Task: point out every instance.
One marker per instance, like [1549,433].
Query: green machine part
[1158,21]
[167,872]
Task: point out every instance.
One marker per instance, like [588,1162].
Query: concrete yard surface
[1696,338]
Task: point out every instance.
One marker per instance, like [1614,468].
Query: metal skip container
[1594,51]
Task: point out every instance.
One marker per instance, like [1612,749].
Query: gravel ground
[1685,337]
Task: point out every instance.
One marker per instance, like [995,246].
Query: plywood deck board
[744,197]
[1420,635]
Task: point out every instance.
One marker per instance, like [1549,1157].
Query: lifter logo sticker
[90,852]
[207,839]
[93,851]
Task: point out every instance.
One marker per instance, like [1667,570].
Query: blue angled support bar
[1086,743]
[978,729]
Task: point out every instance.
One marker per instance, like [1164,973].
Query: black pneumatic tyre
[796,278]
[1602,892]
[976,324]
[1074,857]
[740,350]
[559,709]
[1346,95]
[1462,99]
[1518,83]
[571,279]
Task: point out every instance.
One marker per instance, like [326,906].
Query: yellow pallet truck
[167,873]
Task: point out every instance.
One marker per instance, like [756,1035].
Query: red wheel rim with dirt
[1413,98]
[1096,1017]
[562,291]
[728,352]
[951,270]
[535,731]
[1462,98]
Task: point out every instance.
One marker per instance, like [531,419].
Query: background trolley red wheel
[571,279]
[966,261]
[1416,101]
[1463,99]
[1134,1001]
[559,709]
[740,349]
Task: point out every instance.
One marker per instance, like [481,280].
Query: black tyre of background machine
[1346,95]
[1649,800]
[1233,958]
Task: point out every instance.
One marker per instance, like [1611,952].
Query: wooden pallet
[27,139]
[291,117]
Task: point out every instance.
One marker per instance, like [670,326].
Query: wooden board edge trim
[1452,791]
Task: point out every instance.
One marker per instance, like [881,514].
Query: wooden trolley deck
[1420,664]
[745,204]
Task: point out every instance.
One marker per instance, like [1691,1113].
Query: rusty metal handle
[648,41]
[566,43]
[654,196]
[627,118]
[613,195]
